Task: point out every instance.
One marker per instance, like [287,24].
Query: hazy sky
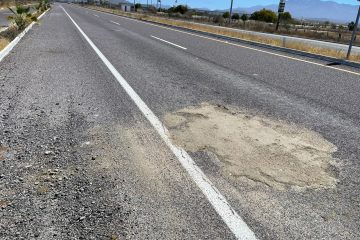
[222,4]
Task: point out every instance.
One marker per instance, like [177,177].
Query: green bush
[179,9]
[244,17]
[138,6]
[226,15]
[286,17]
[43,5]
[235,16]
[351,26]
[264,15]
[21,17]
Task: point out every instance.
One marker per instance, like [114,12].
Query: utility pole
[353,37]
[231,9]
[280,11]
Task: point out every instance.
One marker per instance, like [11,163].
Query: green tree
[351,26]
[235,16]
[138,6]
[226,15]
[286,16]
[244,17]
[179,9]
[264,15]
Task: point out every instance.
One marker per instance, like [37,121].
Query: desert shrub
[10,33]
[43,5]
[21,17]
[219,19]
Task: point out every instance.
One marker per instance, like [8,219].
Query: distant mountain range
[312,9]
[306,9]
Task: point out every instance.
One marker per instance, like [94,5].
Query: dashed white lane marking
[235,44]
[173,44]
[115,22]
[217,200]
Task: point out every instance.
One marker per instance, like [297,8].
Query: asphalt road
[79,160]
[4,13]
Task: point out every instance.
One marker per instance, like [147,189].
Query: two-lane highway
[95,128]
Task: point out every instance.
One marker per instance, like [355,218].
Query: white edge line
[173,44]
[13,43]
[217,200]
[233,44]
[115,22]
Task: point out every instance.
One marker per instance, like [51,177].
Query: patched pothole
[273,152]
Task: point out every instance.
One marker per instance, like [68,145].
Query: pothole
[273,152]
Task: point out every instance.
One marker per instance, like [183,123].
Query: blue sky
[222,4]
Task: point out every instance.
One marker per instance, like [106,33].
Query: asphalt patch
[273,152]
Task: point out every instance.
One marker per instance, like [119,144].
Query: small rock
[48,152]
[36,183]
[82,218]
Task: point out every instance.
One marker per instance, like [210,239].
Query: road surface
[4,13]
[81,156]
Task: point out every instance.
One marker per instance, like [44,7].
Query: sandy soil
[273,152]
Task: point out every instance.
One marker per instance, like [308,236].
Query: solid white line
[217,200]
[13,43]
[173,44]
[234,44]
[115,23]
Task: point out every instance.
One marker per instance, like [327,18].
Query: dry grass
[234,34]
[3,43]
[5,3]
